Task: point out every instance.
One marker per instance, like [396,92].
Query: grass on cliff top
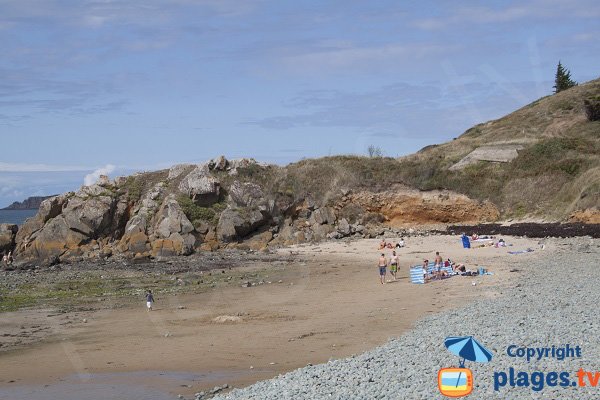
[555,173]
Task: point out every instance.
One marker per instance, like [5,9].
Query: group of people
[7,259]
[383,264]
[389,245]
[440,266]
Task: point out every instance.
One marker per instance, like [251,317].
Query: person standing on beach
[149,300]
[394,265]
[438,263]
[382,268]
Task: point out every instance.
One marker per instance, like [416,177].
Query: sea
[15,216]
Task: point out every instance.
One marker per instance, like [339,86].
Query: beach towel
[521,251]
[416,275]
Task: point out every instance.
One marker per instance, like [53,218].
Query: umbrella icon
[467,348]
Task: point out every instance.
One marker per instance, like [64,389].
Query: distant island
[30,203]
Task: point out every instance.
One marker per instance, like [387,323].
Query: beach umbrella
[467,348]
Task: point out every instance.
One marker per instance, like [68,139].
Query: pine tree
[563,79]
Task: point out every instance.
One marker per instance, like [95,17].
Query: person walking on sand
[394,265]
[382,268]
[149,300]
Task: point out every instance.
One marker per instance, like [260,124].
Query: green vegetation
[196,213]
[549,177]
[134,185]
[71,290]
[562,80]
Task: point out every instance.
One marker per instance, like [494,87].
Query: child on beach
[382,268]
[149,300]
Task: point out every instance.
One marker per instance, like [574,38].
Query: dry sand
[328,305]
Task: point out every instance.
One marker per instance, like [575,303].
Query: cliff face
[30,203]
[219,204]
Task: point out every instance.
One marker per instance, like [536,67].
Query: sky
[128,85]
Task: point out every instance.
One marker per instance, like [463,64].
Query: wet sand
[329,304]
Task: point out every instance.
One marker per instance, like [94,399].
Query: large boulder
[242,163]
[344,227]
[246,194]
[323,215]
[201,186]
[176,170]
[135,238]
[66,222]
[219,164]
[8,233]
[49,208]
[51,242]
[173,230]
[235,224]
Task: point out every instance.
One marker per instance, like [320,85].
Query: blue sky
[145,84]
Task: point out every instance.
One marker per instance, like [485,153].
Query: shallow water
[144,385]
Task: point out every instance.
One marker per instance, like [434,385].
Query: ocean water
[15,216]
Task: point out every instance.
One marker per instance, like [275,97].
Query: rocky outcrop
[68,222]
[135,239]
[172,230]
[201,186]
[8,233]
[218,204]
[246,194]
[235,224]
[176,170]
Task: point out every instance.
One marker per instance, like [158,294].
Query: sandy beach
[326,304]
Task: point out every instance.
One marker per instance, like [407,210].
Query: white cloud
[331,58]
[90,179]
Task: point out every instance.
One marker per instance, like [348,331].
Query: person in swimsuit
[438,263]
[382,244]
[382,268]
[394,265]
